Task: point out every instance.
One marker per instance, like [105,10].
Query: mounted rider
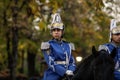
[114,43]
[57,52]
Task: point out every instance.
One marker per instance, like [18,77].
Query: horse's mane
[84,66]
[85,62]
[97,66]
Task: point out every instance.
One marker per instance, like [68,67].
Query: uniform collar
[58,41]
[115,45]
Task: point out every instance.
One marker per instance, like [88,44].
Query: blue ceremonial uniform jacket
[109,47]
[58,56]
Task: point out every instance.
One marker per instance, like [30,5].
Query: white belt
[60,62]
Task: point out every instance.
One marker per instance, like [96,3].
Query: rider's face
[116,38]
[57,33]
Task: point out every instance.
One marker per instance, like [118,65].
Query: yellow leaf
[42,25]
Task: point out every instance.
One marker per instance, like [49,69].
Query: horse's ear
[94,51]
[113,53]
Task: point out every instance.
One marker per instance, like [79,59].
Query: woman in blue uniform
[58,53]
[114,43]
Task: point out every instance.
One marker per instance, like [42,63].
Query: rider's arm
[49,58]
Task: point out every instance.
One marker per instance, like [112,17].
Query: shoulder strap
[110,46]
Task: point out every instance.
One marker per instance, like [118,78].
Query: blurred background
[24,25]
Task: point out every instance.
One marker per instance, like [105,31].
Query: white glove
[69,72]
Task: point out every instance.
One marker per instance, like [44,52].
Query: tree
[24,27]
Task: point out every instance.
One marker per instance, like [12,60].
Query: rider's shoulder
[45,45]
[72,46]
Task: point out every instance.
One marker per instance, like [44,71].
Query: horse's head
[103,64]
[97,66]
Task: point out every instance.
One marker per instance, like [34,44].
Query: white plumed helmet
[113,28]
[56,22]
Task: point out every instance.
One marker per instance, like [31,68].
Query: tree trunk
[31,64]
[8,49]
[22,60]
[14,41]
[14,53]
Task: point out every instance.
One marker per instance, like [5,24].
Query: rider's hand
[69,72]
